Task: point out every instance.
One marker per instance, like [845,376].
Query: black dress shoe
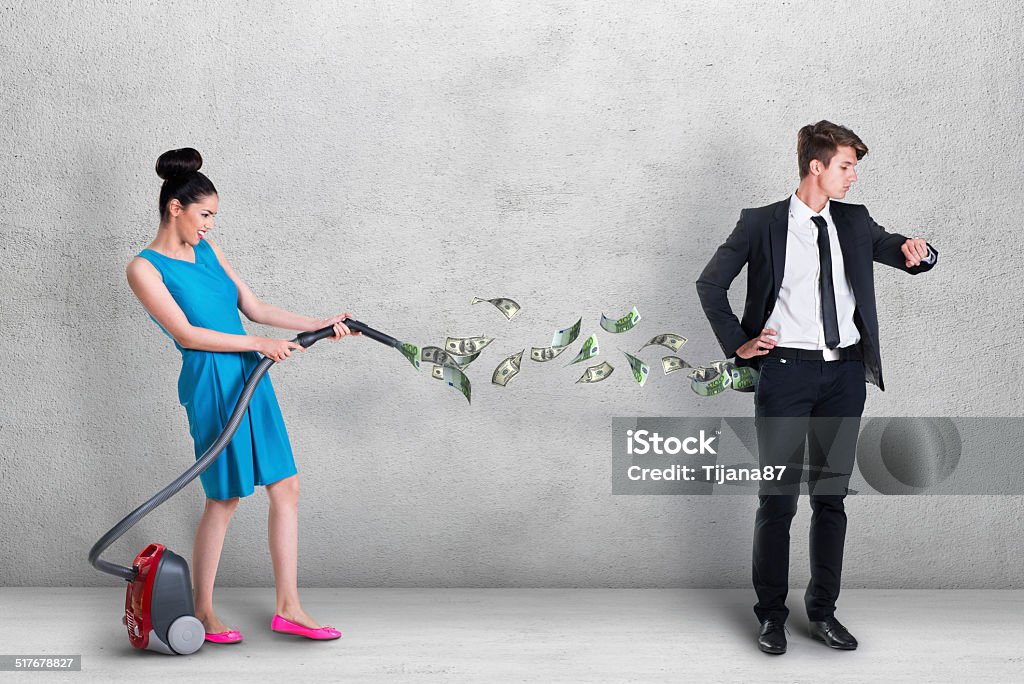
[773,636]
[832,632]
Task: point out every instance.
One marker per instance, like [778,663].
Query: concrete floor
[537,635]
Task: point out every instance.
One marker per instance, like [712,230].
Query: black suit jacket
[759,242]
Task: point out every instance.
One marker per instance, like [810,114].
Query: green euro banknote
[589,350]
[627,322]
[566,336]
[411,352]
[707,382]
[640,369]
[743,378]
[740,378]
[455,378]
[622,325]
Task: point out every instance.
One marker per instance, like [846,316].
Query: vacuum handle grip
[308,338]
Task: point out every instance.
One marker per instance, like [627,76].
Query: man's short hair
[820,140]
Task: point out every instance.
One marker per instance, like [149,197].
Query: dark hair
[182,180]
[819,141]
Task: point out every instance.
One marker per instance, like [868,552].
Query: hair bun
[180,162]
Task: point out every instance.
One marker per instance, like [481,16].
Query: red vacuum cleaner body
[158,608]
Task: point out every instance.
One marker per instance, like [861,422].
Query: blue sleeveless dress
[211,382]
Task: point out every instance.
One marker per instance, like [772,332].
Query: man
[810,327]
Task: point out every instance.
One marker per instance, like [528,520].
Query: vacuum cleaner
[158,609]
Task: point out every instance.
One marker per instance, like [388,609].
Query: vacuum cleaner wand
[306,339]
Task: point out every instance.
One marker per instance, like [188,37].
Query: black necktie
[829,317]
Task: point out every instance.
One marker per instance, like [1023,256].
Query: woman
[189,289]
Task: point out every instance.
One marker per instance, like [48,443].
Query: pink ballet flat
[232,636]
[279,624]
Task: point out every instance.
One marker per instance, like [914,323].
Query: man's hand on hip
[760,345]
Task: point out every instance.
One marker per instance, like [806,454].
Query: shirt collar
[803,213]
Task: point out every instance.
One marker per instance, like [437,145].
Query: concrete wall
[397,159]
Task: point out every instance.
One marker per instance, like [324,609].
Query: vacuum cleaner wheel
[186,635]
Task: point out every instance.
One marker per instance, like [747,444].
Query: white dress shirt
[796,316]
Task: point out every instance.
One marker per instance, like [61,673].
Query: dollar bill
[465,346]
[507,369]
[411,352]
[545,353]
[440,357]
[437,356]
[437,372]
[627,322]
[670,364]
[669,340]
[596,373]
[462,361]
[504,305]
[640,369]
[589,350]
[722,366]
[457,379]
[566,336]
[708,381]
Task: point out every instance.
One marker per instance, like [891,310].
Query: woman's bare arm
[149,287]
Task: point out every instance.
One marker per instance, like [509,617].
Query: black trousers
[817,404]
